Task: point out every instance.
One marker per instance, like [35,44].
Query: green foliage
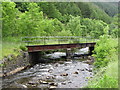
[9,48]
[29,22]
[50,10]
[23,48]
[111,8]
[64,33]
[22,6]
[94,28]
[75,26]
[90,10]
[68,8]
[9,19]
[113,31]
[50,19]
[106,82]
[54,19]
[104,49]
[105,78]
[96,14]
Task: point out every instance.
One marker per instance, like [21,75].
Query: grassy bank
[107,58]
[10,48]
[107,77]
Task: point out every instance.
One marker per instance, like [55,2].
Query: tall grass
[10,45]
[107,77]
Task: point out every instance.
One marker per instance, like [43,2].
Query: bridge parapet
[47,40]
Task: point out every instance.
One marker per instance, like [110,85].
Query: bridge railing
[44,40]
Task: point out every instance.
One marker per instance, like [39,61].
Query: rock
[75,72]
[12,55]
[24,54]
[82,69]
[91,73]
[5,59]
[61,62]
[66,69]
[19,86]
[87,69]
[63,83]
[9,58]
[24,86]
[50,70]
[48,77]
[56,65]
[60,79]
[69,82]
[32,82]
[53,84]
[33,85]
[90,70]
[55,75]
[43,82]
[91,58]
[52,87]
[64,74]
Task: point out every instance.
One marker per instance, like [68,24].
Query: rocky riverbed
[74,73]
[63,74]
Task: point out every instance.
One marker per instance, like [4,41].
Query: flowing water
[60,74]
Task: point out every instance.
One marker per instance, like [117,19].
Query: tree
[74,26]
[10,15]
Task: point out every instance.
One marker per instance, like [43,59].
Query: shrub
[104,49]
[23,48]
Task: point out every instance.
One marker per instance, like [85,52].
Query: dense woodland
[56,19]
[97,20]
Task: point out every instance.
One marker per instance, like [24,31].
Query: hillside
[56,19]
[111,8]
[62,10]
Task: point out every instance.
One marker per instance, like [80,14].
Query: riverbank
[106,77]
[13,64]
[106,63]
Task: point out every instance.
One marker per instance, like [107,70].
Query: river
[61,74]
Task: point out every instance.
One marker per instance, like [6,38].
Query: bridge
[45,43]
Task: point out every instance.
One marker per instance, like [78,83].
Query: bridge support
[69,53]
[35,57]
[90,50]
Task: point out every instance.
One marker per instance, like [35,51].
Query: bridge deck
[37,48]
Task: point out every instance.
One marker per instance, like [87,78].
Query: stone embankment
[13,64]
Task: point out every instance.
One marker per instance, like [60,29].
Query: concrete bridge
[35,50]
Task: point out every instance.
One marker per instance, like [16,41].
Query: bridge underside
[35,54]
[37,48]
